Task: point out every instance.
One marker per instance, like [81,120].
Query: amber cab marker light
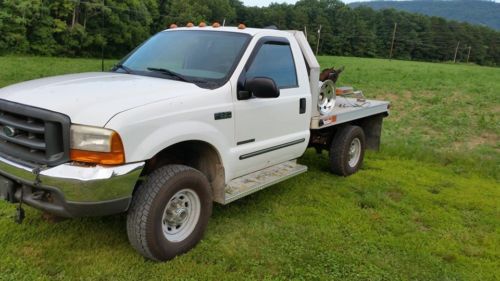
[242,26]
[215,25]
[190,24]
[115,157]
[202,24]
[173,25]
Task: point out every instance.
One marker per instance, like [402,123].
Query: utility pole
[468,54]
[102,35]
[456,51]
[393,38]
[319,36]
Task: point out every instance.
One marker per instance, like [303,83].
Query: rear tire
[169,212]
[347,151]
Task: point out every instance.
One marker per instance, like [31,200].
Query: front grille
[33,136]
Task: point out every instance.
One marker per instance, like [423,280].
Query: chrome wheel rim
[354,152]
[326,100]
[181,215]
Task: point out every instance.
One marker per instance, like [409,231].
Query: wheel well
[196,154]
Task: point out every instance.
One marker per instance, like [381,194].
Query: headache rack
[33,136]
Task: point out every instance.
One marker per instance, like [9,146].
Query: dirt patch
[29,251]
[395,97]
[399,104]
[485,138]
[420,223]
[395,195]
[489,139]
[496,109]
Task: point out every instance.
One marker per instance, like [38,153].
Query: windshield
[188,55]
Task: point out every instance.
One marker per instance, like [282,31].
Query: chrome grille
[33,135]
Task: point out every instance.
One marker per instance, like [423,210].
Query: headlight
[96,145]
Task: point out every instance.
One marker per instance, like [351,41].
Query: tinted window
[201,54]
[276,62]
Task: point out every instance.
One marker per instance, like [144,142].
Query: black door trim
[269,149]
[245,142]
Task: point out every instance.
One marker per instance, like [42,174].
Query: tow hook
[20,214]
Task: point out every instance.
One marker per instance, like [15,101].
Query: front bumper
[70,190]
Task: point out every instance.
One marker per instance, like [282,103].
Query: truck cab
[194,115]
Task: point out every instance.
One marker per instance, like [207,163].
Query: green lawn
[426,207]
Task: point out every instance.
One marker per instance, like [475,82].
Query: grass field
[426,207]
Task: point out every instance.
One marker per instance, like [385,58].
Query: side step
[248,184]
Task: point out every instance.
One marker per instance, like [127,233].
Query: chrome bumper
[74,186]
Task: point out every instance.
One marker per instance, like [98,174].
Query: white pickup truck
[195,115]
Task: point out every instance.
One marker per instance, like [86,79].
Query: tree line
[84,28]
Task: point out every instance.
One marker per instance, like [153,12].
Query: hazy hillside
[473,11]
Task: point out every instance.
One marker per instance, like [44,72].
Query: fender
[147,130]
[171,134]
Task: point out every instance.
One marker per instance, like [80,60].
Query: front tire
[347,151]
[169,212]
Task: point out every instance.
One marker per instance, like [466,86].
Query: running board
[246,185]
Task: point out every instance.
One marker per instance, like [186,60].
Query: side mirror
[259,87]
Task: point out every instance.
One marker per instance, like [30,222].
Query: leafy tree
[85,27]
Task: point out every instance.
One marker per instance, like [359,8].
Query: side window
[276,62]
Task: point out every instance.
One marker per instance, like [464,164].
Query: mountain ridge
[478,12]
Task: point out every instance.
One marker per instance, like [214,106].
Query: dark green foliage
[81,28]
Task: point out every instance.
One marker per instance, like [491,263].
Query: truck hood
[94,98]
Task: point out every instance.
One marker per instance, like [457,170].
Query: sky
[261,3]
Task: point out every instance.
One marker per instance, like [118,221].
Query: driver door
[269,131]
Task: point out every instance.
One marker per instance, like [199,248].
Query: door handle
[302,106]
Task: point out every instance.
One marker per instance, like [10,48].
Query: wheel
[169,212]
[347,151]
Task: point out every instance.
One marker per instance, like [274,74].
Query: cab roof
[247,30]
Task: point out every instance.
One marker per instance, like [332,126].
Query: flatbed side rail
[347,110]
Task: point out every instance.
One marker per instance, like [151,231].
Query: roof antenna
[224,22]
[102,36]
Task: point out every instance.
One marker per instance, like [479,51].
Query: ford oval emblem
[9,131]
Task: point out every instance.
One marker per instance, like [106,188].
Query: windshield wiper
[170,73]
[127,70]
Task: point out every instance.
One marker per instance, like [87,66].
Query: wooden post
[319,36]
[456,51]
[102,34]
[468,54]
[393,38]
